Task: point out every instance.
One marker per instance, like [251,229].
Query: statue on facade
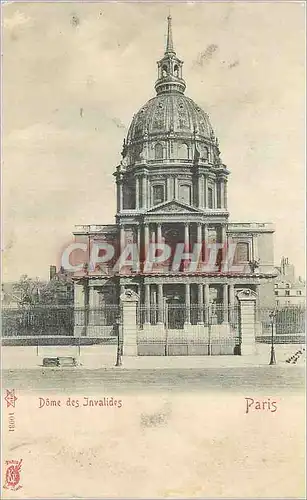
[254,265]
[125,149]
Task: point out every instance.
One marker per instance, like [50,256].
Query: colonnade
[152,233]
[171,183]
[202,304]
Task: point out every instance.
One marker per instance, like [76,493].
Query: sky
[74,74]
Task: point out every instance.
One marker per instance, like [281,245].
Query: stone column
[147,304]
[146,239]
[199,241]
[225,195]
[222,184]
[205,191]
[231,294]
[176,188]
[198,190]
[247,304]
[168,188]
[224,243]
[119,195]
[205,242]
[139,239]
[199,233]
[122,239]
[257,315]
[159,233]
[137,193]
[160,303]
[201,191]
[200,298]
[206,302]
[215,194]
[153,301]
[186,236]
[225,303]
[129,300]
[153,235]
[255,253]
[144,191]
[94,312]
[187,304]
[79,309]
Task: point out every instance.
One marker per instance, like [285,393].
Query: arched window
[176,70]
[164,70]
[158,151]
[185,193]
[183,152]
[205,153]
[241,252]
[158,194]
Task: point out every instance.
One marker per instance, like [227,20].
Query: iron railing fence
[175,316]
[42,320]
[288,320]
[281,339]
[56,320]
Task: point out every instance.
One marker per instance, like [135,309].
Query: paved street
[283,377]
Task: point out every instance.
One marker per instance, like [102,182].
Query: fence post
[80,320]
[129,300]
[247,314]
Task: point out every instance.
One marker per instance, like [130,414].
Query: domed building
[172,190]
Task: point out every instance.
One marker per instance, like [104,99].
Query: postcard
[153,271]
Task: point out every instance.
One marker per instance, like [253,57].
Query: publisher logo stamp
[10,398]
[12,475]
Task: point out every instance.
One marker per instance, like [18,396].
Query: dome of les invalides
[170,126]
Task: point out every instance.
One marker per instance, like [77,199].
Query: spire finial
[169,42]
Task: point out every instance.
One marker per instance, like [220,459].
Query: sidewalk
[104,357]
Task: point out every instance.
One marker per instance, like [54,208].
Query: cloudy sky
[75,73]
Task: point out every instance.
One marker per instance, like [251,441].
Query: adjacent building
[289,290]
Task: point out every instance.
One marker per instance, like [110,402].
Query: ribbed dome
[170,113]
[170,127]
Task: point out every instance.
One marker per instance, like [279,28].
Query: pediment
[173,207]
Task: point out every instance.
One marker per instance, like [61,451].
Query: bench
[60,361]
[67,361]
[50,362]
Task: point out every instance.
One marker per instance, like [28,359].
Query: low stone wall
[56,341]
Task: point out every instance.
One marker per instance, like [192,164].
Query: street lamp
[272,316]
[119,351]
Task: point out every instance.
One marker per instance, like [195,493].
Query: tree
[28,291]
[32,292]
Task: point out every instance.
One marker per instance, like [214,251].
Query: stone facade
[172,188]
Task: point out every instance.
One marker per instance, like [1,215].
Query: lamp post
[273,357]
[119,350]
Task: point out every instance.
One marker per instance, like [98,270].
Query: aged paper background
[59,58]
